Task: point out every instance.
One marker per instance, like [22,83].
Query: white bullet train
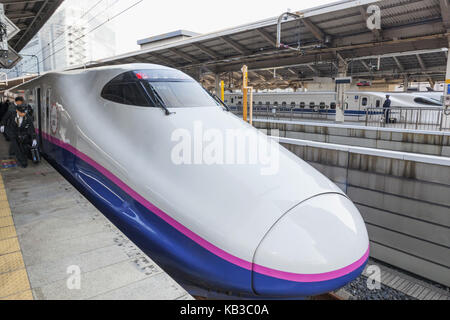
[356,102]
[227,229]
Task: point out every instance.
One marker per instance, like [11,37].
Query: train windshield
[157,88]
[175,89]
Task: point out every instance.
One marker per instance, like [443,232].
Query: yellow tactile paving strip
[14,283]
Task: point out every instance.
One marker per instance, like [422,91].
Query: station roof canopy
[29,16]
[410,42]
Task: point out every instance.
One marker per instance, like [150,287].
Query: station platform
[54,244]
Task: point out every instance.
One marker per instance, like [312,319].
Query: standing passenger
[386,107]
[20,130]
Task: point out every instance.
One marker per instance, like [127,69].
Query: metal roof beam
[317,32]
[398,63]
[258,75]
[183,55]
[236,46]
[421,63]
[313,69]
[166,61]
[365,65]
[267,36]
[207,51]
[21,15]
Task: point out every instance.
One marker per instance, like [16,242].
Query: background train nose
[317,247]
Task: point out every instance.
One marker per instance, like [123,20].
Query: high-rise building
[67,39]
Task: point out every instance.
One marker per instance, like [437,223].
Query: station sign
[9,59]
[344,80]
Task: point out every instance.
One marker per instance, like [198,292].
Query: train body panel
[202,223]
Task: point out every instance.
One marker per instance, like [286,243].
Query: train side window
[260,103]
[364,102]
[333,105]
[312,105]
[322,105]
[292,104]
[275,104]
[232,100]
[378,103]
[129,93]
[302,105]
[284,104]
[268,103]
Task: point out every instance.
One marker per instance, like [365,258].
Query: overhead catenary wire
[92,30]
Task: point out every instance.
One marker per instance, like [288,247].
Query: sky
[150,17]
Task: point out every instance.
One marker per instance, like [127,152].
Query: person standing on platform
[20,129]
[386,108]
[9,115]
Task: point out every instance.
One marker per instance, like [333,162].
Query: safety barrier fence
[426,118]
[409,118]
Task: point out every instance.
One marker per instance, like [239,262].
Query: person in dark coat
[9,115]
[386,108]
[4,108]
[20,129]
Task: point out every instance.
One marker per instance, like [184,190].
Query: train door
[47,109]
[39,113]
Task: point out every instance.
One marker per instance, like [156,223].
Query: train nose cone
[317,247]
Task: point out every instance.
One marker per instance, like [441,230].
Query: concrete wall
[403,198]
[415,141]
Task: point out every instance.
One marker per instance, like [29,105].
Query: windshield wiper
[218,100]
[159,99]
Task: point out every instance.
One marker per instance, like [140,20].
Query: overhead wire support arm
[282,17]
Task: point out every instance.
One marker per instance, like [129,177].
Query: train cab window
[333,105]
[164,87]
[125,91]
[312,105]
[302,105]
[428,101]
[364,102]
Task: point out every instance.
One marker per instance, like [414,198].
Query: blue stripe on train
[178,255]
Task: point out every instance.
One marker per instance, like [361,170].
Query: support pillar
[217,84]
[447,87]
[340,90]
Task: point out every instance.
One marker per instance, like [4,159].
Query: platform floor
[54,244]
